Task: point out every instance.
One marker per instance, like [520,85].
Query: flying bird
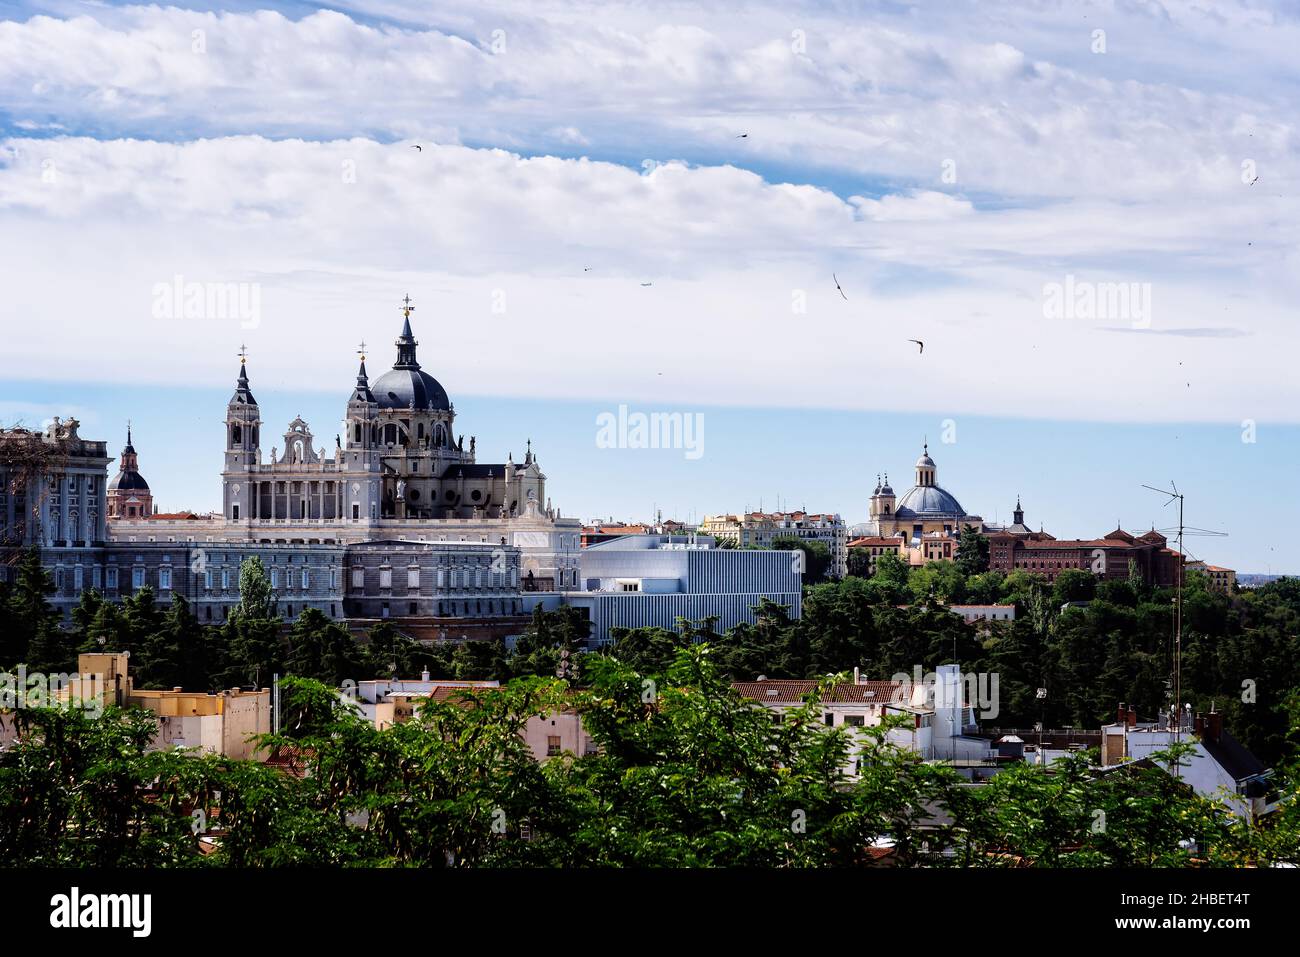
[586,269]
[415,147]
[1254,181]
[743,136]
[919,343]
[837,286]
[647,284]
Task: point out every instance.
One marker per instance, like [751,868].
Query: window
[358,578]
[234,511]
[385,578]
[78,578]
[225,578]
[552,745]
[275,578]
[96,576]
[442,578]
[413,578]
[356,512]
[207,580]
[137,578]
[829,718]
[306,579]
[164,579]
[411,610]
[854,720]
[58,578]
[110,578]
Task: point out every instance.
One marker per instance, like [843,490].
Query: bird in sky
[743,136]
[919,343]
[1254,181]
[647,284]
[837,286]
[586,269]
[415,147]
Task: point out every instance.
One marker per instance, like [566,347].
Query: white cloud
[493,246]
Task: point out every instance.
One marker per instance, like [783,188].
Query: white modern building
[642,581]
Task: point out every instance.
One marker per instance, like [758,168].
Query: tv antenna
[1173,495]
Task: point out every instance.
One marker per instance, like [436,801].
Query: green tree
[817,558]
[256,598]
[972,551]
[32,632]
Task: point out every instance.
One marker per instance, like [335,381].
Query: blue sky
[617,203]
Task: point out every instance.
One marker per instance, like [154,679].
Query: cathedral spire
[406,341]
[243,395]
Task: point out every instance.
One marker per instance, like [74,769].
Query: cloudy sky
[962,168]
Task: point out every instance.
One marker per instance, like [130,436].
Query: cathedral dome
[409,388]
[405,386]
[929,500]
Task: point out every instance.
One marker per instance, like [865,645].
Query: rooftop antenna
[1176,496]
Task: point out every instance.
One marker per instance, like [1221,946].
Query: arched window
[236,435]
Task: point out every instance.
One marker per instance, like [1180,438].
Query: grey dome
[929,500]
[128,481]
[407,388]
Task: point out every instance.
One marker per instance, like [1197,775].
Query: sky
[1086,211]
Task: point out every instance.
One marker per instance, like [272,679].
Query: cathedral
[399,464]
[398,519]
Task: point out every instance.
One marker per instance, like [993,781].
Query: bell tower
[243,446]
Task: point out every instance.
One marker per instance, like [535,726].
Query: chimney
[1213,726]
[856,678]
[1132,717]
[424,675]
[1121,714]
[1198,724]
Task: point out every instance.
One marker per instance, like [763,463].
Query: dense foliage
[687,774]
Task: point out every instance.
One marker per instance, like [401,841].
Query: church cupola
[128,494]
[882,502]
[926,472]
[406,342]
[1018,516]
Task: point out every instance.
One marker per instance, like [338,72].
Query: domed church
[128,493]
[925,510]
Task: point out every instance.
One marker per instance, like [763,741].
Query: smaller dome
[925,462]
[128,481]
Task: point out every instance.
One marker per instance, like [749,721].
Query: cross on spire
[243,353]
[361,350]
[407,308]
